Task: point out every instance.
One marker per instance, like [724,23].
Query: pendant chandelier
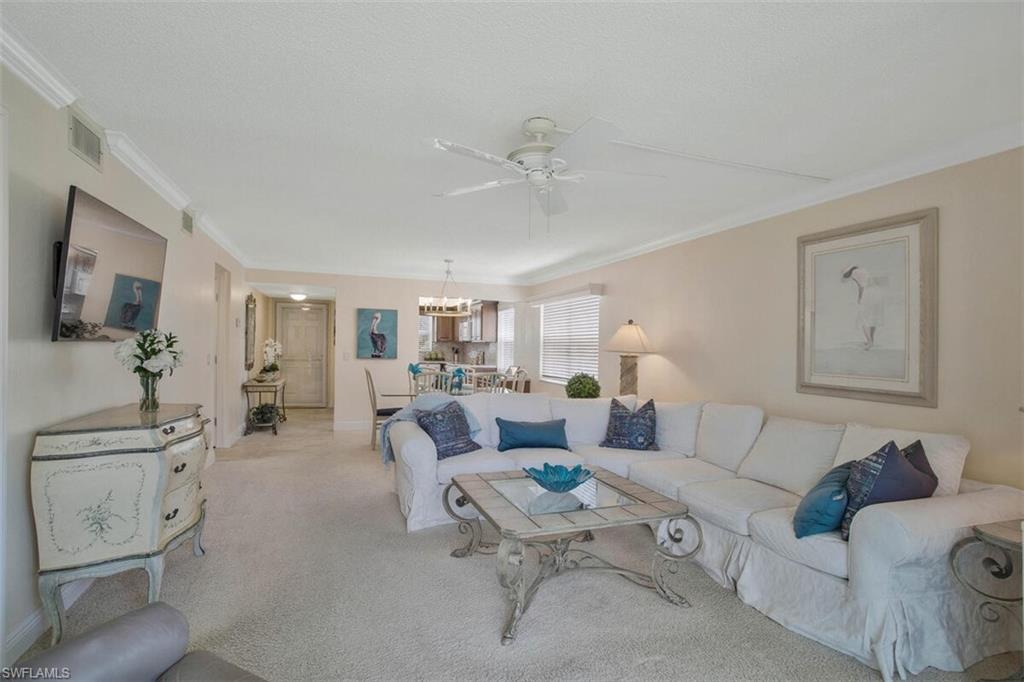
[445,305]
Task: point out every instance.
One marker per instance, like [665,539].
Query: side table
[1000,547]
[258,388]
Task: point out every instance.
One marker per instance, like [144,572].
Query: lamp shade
[629,338]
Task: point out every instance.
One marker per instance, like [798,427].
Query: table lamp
[629,341]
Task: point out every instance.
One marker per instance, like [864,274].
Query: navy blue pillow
[888,475]
[448,428]
[823,506]
[531,434]
[631,430]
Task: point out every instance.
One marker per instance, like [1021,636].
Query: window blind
[426,334]
[506,338]
[569,338]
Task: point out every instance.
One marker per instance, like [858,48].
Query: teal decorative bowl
[558,478]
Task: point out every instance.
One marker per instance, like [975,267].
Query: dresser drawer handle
[168,430]
[168,517]
[181,467]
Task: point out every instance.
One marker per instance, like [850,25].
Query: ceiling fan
[543,166]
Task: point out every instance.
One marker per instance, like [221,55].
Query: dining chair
[378,415]
[489,382]
[430,381]
[517,380]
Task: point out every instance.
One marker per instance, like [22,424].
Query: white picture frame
[868,310]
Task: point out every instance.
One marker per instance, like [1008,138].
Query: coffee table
[527,516]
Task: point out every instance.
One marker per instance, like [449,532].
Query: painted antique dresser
[113,491]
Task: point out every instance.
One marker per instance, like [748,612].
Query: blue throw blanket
[424,401]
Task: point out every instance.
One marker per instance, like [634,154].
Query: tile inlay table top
[520,510]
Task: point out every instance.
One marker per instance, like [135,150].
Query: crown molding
[979,146]
[210,228]
[29,66]
[434,276]
[127,152]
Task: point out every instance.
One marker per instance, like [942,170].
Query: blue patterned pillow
[448,428]
[631,430]
[888,475]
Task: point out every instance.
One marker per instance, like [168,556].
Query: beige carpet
[310,575]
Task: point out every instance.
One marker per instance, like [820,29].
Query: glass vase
[149,402]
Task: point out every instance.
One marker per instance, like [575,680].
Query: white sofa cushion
[619,460]
[792,454]
[586,419]
[825,552]
[521,458]
[517,407]
[946,453]
[677,426]
[727,432]
[729,503]
[479,405]
[476,462]
[666,476]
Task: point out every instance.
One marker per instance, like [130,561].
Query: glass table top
[531,499]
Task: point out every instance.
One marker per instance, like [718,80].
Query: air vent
[84,139]
[188,221]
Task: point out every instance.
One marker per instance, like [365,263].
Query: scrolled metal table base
[468,526]
[992,606]
[558,556]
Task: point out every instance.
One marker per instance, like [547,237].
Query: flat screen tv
[109,276]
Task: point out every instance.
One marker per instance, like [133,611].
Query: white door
[302,331]
[222,295]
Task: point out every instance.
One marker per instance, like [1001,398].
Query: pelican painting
[376,333]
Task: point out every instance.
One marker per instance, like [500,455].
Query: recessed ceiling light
[298,297]
[305,308]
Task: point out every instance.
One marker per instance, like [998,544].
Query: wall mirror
[250,331]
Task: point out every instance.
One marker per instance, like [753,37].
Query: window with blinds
[569,338]
[426,334]
[506,338]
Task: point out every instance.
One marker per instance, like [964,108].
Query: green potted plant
[582,386]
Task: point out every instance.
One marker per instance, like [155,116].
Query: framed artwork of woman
[868,310]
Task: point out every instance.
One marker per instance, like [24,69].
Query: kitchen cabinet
[444,329]
[465,329]
[484,321]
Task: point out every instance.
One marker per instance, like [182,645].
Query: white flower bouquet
[149,354]
[272,350]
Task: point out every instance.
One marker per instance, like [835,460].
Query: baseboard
[353,425]
[29,630]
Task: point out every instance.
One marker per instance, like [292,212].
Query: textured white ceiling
[301,128]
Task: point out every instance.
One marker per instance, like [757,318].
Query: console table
[258,388]
[113,491]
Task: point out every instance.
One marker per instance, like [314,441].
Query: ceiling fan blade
[551,200]
[456,148]
[586,139]
[720,162]
[493,184]
[617,172]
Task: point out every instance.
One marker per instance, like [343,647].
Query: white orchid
[272,350]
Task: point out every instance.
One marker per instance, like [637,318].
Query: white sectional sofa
[886,597]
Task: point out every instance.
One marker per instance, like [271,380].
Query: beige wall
[58,381]
[722,312]
[351,402]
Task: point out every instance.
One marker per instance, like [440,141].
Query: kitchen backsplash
[467,351]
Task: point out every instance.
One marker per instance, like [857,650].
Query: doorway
[302,331]
[222,296]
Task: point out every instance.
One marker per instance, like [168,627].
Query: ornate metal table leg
[666,564]
[466,525]
[510,575]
